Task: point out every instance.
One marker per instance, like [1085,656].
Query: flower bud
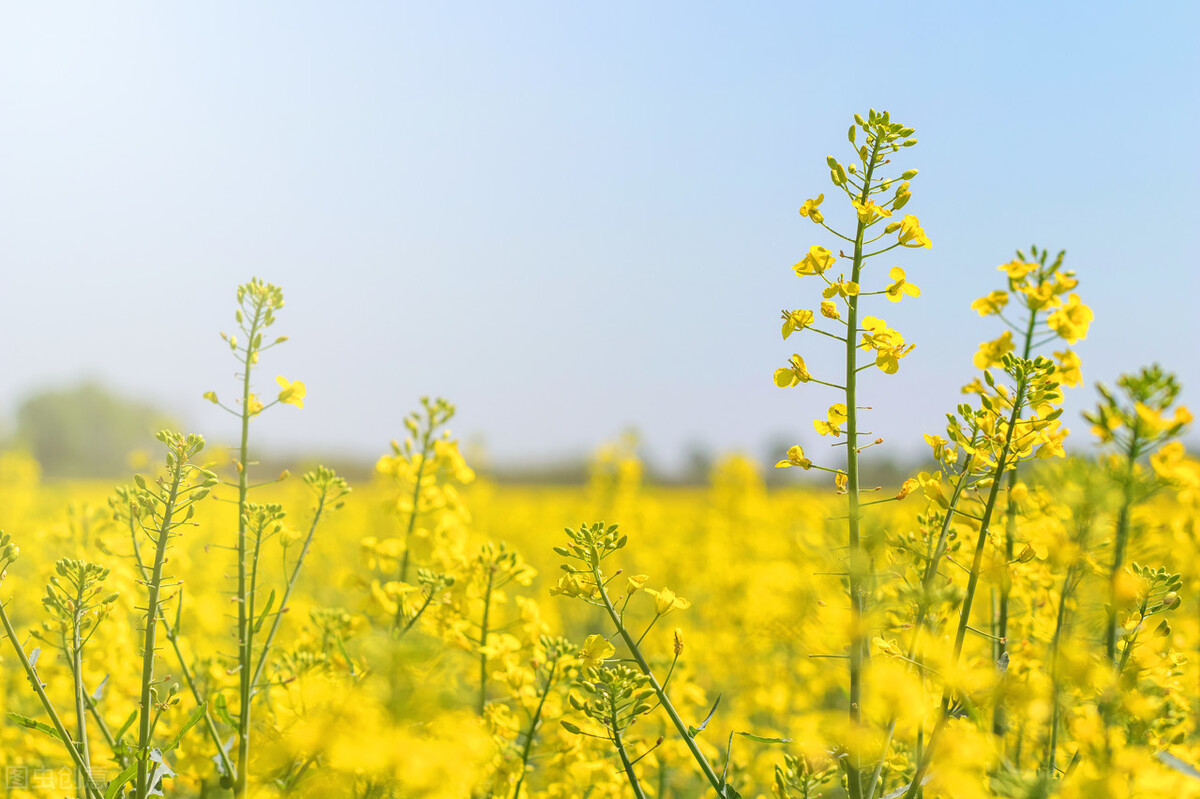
[908,174]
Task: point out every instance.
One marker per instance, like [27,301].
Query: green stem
[412,517]
[39,689]
[483,638]
[1055,692]
[973,579]
[681,728]
[1121,544]
[154,586]
[626,764]
[172,636]
[527,750]
[931,570]
[287,593]
[859,565]
[244,622]
[77,676]
[999,715]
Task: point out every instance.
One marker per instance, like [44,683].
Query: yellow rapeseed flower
[911,234]
[990,352]
[291,393]
[842,288]
[1071,321]
[665,601]
[900,286]
[795,457]
[809,209]
[797,372]
[595,650]
[796,320]
[992,303]
[835,416]
[1017,269]
[1068,368]
[868,212]
[816,262]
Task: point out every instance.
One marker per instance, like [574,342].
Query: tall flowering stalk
[1037,309]
[258,302]
[865,185]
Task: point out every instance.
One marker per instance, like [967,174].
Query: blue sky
[569,218]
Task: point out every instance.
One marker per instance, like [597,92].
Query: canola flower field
[1012,622]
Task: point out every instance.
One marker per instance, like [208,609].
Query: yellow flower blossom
[1071,321]
[911,234]
[990,352]
[809,209]
[842,288]
[888,344]
[816,262]
[835,416]
[665,601]
[976,386]
[255,404]
[1017,269]
[796,320]
[795,457]
[939,444]
[595,650]
[797,372]
[900,286]
[291,393]
[1069,373]
[1040,296]
[992,303]
[830,310]
[868,212]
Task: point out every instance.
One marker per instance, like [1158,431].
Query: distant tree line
[85,431]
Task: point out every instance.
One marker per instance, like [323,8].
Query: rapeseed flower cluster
[1007,622]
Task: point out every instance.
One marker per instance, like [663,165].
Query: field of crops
[1010,622]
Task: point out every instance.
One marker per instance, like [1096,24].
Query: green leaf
[222,710]
[692,731]
[762,739]
[263,617]
[118,782]
[125,727]
[34,724]
[192,721]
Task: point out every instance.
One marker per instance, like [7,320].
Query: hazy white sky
[570,218]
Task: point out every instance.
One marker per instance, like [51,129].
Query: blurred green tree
[86,431]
